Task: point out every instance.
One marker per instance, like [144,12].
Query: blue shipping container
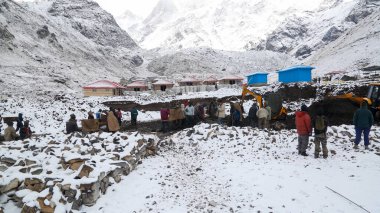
[295,74]
[257,78]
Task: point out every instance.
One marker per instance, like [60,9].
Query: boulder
[14,184]
[34,184]
[85,171]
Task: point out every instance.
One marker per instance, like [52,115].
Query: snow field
[220,169]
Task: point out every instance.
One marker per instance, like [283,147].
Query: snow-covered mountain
[223,24]
[61,45]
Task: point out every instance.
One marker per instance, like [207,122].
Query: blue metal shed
[257,78]
[295,74]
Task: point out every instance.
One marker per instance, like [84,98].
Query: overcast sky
[117,7]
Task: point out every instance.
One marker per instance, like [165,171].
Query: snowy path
[245,171]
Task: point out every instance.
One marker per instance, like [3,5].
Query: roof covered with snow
[163,82]
[104,84]
[211,79]
[189,80]
[232,77]
[137,84]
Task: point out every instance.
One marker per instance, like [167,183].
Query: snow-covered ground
[219,169]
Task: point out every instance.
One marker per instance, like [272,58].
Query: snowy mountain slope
[206,61]
[60,46]
[231,25]
[357,48]
[301,35]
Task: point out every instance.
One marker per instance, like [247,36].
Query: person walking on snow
[363,121]
[320,124]
[303,124]
[189,113]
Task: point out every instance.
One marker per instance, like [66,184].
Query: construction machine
[273,100]
[372,99]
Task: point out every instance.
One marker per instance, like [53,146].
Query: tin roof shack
[210,81]
[295,74]
[231,80]
[162,85]
[190,82]
[103,88]
[259,78]
[137,86]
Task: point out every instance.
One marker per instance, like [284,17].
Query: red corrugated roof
[104,84]
[189,80]
[211,80]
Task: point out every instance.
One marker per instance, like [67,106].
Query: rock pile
[63,172]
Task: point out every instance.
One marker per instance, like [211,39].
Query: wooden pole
[348,199]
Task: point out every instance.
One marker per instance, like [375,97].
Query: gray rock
[10,186]
[303,52]
[43,33]
[332,34]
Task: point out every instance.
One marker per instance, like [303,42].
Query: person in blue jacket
[363,121]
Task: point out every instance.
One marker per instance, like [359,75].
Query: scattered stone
[14,184]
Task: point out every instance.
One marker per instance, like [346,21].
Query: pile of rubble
[59,173]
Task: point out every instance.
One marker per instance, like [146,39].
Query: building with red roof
[137,86]
[103,88]
[231,80]
[162,85]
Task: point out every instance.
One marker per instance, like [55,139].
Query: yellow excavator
[278,111]
[373,98]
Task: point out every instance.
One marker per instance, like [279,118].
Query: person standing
[221,113]
[320,128]
[25,131]
[90,115]
[236,116]
[113,124]
[119,116]
[252,115]
[269,118]
[262,115]
[189,112]
[212,109]
[20,120]
[165,113]
[98,114]
[303,125]
[71,125]
[10,132]
[134,114]
[363,121]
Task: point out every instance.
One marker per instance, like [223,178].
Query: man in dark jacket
[363,121]
[71,125]
[19,122]
[25,131]
[320,124]
[304,130]
[252,115]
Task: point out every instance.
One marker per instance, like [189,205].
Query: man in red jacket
[304,130]
[165,119]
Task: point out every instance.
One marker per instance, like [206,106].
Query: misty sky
[117,7]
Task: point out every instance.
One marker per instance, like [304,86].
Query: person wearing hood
[320,123]
[10,132]
[20,120]
[262,114]
[113,124]
[363,121]
[304,130]
[72,125]
[25,131]
[252,115]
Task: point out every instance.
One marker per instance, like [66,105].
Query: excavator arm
[246,92]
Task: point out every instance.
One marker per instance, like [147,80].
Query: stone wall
[63,172]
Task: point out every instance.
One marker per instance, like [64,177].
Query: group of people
[112,119]
[21,132]
[363,120]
